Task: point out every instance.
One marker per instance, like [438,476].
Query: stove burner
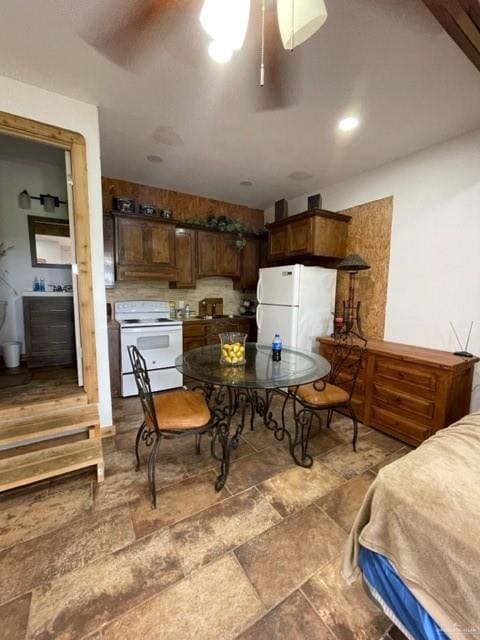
[163,320]
[132,321]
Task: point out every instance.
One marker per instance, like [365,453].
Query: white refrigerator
[296,302]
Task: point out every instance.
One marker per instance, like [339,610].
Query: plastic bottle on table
[277,348]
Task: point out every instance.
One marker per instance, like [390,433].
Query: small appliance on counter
[247,307]
[210,307]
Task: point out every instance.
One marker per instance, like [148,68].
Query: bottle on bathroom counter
[36,284]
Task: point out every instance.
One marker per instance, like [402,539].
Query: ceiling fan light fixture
[219,52]
[226,21]
[298,20]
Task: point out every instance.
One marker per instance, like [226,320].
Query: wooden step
[17,430]
[38,465]
[20,406]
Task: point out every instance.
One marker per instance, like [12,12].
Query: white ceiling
[386,60]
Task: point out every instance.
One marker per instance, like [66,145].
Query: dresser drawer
[52,338]
[398,426]
[394,371]
[404,402]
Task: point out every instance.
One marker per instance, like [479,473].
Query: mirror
[50,242]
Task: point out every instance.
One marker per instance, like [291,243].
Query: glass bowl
[232,348]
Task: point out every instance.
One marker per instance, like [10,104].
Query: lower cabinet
[49,330]
[198,333]
[410,392]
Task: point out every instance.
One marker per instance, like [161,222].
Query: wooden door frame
[74,143]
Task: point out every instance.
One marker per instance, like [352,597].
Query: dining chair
[333,393]
[166,415]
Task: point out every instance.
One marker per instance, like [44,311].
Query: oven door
[158,345]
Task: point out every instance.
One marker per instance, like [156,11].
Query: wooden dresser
[410,392]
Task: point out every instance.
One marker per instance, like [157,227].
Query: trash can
[11,354]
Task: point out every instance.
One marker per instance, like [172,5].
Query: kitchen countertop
[47,294]
[218,318]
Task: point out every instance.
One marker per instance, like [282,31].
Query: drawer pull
[58,326]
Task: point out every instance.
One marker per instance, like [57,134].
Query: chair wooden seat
[330,396]
[180,410]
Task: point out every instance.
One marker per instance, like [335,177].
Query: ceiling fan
[277,25]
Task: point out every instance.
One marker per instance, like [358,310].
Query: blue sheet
[380,574]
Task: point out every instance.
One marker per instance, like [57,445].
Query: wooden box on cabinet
[49,330]
[315,234]
[410,392]
[144,249]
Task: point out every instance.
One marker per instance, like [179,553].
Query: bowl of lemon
[232,348]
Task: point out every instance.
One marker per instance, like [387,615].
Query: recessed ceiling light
[219,52]
[349,123]
[154,158]
[246,183]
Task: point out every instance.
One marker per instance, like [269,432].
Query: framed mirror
[50,242]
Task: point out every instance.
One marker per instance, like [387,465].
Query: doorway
[71,148]
[39,324]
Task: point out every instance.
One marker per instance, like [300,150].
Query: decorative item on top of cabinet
[186,259]
[410,392]
[217,255]
[317,235]
[49,330]
[144,249]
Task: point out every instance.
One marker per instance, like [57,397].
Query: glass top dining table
[259,371]
[231,390]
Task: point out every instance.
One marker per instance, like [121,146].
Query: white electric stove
[159,338]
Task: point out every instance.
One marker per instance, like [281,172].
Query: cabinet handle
[58,326]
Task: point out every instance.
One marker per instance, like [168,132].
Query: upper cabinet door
[145,249]
[250,264]
[186,254]
[228,256]
[207,254]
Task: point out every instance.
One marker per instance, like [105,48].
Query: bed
[416,538]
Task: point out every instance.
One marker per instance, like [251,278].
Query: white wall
[37,176]
[434,272]
[31,102]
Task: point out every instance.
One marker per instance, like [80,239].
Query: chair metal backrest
[140,372]
[347,356]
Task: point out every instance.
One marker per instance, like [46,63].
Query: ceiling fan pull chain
[262,51]
[293,24]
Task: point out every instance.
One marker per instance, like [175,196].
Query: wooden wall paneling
[183,205]
[369,235]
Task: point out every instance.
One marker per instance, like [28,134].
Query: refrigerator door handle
[258,290]
[257,313]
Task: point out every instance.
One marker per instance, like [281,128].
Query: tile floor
[258,561]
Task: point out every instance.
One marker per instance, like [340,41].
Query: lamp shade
[353,262]
[226,21]
[24,200]
[299,19]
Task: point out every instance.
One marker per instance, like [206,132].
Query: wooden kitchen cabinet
[316,235]
[186,258]
[198,333]
[144,249]
[410,392]
[217,255]
[249,265]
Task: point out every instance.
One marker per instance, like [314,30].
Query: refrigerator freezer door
[280,285]
[272,319]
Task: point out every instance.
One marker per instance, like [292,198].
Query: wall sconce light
[48,201]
